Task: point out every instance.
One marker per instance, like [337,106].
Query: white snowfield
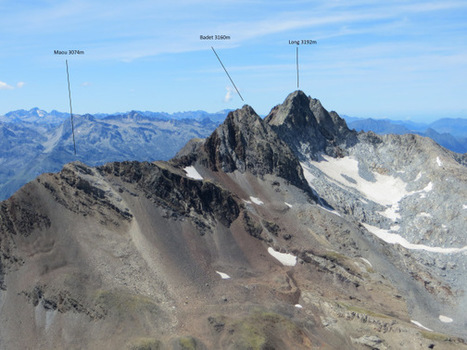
[287,204]
[386,190]
[391,212]
[439,162]
[393,238]
[223,275]
[192,173]
[445,319]
[285,258]
[298,306]
[420,325]
[256,200]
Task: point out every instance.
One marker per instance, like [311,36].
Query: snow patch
[192,173]
[393,238]
[287,204]
[365,260]
[445,319]
[420,325]
[49,318]
[428,187]
[386,190]
[285,258]
[256,200]
[330,210]
[419,176]
[391,212]
[223,275]
[439,162]
[464,206]
[298,306]
[426,215]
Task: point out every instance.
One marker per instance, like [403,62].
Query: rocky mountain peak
[244,142]
[303,123]
[294,111]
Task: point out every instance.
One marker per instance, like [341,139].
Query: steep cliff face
[230,245]
[308,128]
[244,142]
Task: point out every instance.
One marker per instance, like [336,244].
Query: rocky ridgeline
[254,237]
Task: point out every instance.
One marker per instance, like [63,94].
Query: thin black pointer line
[296,54]
[71,109]
[238,92]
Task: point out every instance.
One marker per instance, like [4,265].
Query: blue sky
[394,59]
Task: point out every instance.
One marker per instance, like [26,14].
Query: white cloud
[5,86]
[86,83]
[20,84]
[229,94]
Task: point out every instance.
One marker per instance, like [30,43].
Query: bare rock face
[244,142]
[177,193]
[230,245]
[308,128]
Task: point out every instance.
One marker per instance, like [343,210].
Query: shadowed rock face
[244,142]
[140,255]
[174,191]
[308,128]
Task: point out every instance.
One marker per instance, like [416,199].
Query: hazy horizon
[396,60]
[420,119]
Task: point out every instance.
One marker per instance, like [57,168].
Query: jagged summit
[245,142]
[295,109]
[303,123]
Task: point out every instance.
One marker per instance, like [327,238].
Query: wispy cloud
[5,86]
[119,37]
[229,94]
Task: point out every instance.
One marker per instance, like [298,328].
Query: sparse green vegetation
[187,343]
[124,303]
[257,329]
[335,257]
[364,311]
[435,336]
[145,344]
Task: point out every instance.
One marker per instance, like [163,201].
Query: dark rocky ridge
[308,128]
[244,142]
[168,188]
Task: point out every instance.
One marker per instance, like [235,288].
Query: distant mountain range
[450,133]
[36,141]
